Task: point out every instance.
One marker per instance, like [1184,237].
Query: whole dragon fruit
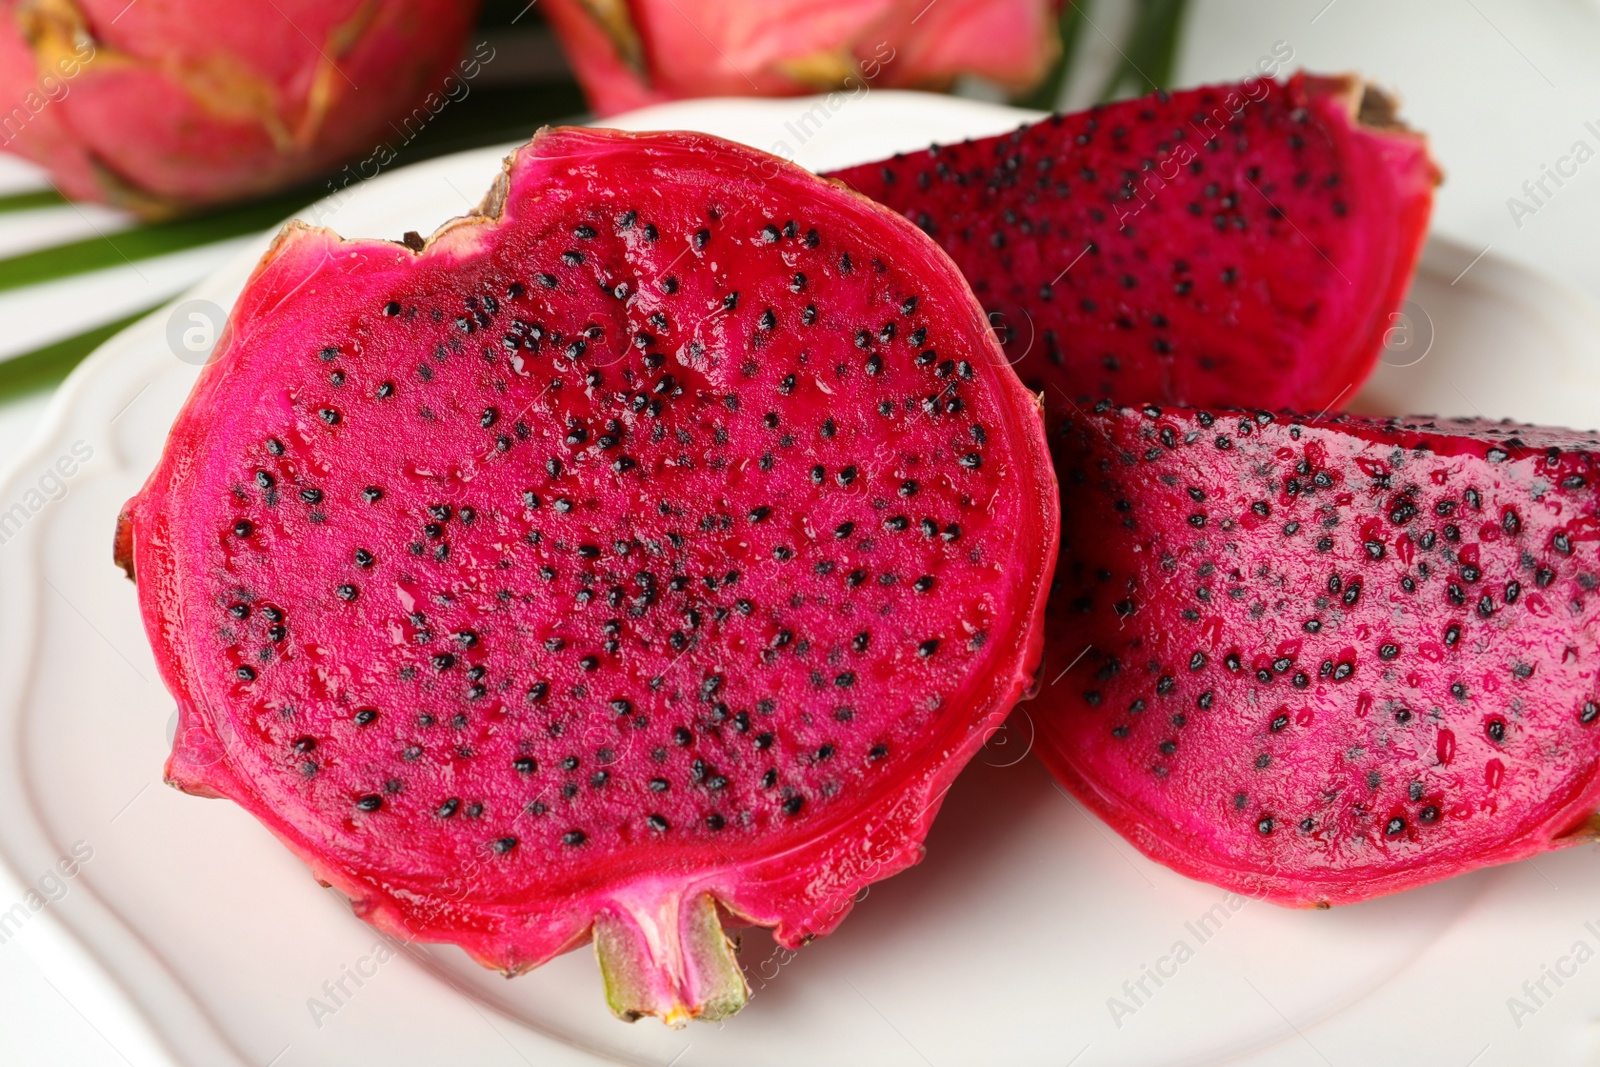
[632,53]
[1318,660]
[656,542]
[1235,244]
[168,105]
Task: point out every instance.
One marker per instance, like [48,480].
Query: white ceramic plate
[1031,935]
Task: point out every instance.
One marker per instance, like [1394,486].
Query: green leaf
[147,241]
[1046,96]
[31,201]
[44,368]
[1149,51]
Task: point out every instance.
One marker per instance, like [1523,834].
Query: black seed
[1395,826]
[370,802]
[574,838]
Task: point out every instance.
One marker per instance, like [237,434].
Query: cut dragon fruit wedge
[654,543]
[1317,660]
[1230,245]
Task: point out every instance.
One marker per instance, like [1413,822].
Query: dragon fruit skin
[633,53]
[172,105]
[1228,245]
[1363,658]
[659,540]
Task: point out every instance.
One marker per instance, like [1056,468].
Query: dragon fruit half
[165,105]
[1317,660]
[1235,244]
[657,541]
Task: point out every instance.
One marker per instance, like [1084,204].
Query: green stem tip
[668,957]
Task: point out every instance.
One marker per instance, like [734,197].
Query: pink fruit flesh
[1235,244]
[664,537]
[168,105]
[1319,660]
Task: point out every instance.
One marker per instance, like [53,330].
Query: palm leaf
[31,201]
[44,368]
[1149,52]
[1046,96]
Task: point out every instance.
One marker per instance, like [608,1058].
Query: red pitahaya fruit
[661,538]
[1235,244]
[165,105]
[1319,660]
[634,53]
